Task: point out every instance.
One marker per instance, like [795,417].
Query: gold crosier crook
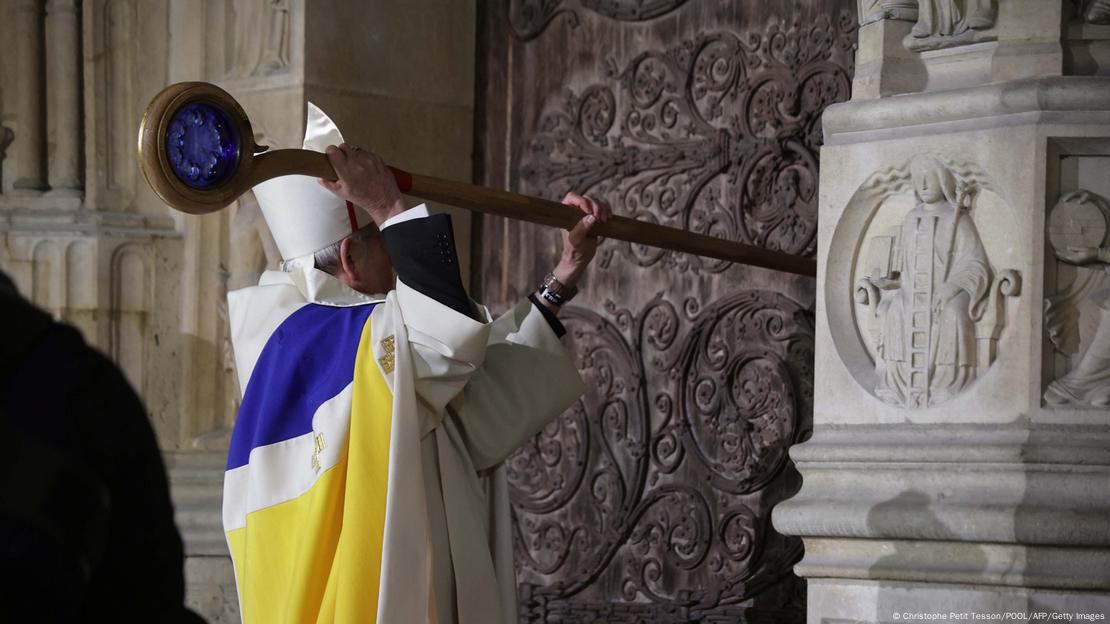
[197,151]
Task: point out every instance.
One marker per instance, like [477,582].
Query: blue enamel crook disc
[202,145]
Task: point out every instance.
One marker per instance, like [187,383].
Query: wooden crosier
[197,151]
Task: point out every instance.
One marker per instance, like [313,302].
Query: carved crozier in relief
[1077,317]
[931,292]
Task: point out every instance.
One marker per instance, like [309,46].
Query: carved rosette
[656,480]
[718,135]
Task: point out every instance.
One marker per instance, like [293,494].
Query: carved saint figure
[945,18]
[1088,383]
[938,288]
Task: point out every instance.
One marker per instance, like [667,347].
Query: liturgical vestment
[363,482]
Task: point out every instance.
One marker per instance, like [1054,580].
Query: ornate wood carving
[718,135]
[654,482]
[650,500]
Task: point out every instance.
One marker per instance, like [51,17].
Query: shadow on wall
[917,540]
[1062,521]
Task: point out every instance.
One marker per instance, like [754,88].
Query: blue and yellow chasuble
[312,440]
[353,494]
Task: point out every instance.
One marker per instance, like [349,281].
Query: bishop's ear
[348,272]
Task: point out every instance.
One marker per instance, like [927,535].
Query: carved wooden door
[650,500]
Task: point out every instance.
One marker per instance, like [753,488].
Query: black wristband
[549,316]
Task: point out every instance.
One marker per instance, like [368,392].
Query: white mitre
[303,216]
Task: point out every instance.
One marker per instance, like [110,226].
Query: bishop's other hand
[365,181]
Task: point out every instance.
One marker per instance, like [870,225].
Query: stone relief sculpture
[949,23]
[262,37]
[529,18]
[933,295]
[1077,226]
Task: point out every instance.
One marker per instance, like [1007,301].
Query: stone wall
[960,461]
[85,238]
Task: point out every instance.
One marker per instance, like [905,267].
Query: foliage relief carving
[718,135]
[656,478]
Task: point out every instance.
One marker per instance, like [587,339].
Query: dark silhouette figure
[86,523]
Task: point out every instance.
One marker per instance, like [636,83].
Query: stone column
[64,89]
[27,150]
[959,467]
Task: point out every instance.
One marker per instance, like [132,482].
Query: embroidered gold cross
[386,360]
[318,444]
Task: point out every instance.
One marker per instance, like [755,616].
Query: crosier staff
[197,151]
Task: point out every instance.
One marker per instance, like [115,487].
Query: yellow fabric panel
[317,558]
[357,565]
[283,557]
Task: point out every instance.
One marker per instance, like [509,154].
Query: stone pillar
[64,89]
[960,462]
[27,150]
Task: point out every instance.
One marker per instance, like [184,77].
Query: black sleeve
[549,316]
[424,256]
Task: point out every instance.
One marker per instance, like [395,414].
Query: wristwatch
[555,291]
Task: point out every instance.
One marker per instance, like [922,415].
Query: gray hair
[327,259]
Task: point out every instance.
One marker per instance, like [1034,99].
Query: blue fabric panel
[309,359]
